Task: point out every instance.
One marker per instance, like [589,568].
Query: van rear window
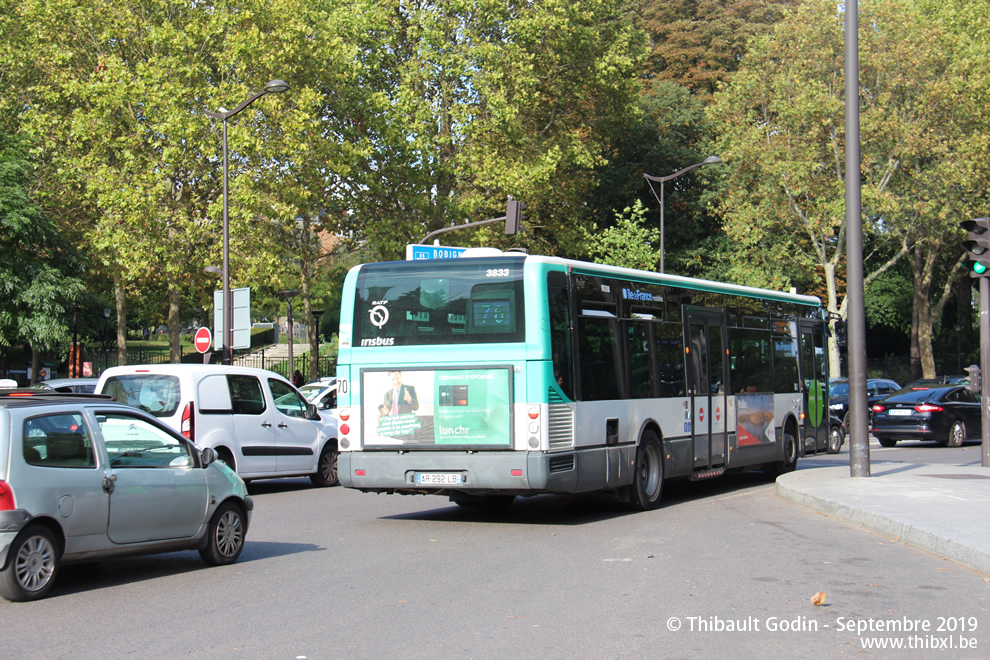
[153,393]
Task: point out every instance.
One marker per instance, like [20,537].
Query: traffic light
[973,373]
[978,246]
[513,216]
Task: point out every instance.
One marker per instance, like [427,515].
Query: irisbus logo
[379,341]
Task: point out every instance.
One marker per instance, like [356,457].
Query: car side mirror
[207,455]
[311,412]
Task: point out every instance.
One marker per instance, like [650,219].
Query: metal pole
[661,227]
[859,444]
[227,312]
[985,367]
[291,363]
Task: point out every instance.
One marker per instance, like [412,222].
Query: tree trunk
[174,347]
[35,364]
[831,305]
[120,298]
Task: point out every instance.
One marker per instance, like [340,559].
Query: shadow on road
[79,578]
[582,509]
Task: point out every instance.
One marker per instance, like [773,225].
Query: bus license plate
[438,479]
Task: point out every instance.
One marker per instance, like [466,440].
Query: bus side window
[560,332]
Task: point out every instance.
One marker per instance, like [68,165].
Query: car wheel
[647,485]
[957,434]
[225,540]
[789,461]
[887,442]
[835,440]
[326,468]
[33,561]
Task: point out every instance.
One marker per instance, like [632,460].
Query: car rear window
[157,394]
[916,395]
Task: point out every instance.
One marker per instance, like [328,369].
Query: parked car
[85,478]
[838,395]
[321,393]
[80,385]
[943,380]
[947,414]
[256,421]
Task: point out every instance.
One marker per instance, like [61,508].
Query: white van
[255,420]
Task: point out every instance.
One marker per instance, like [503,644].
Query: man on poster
[400,399]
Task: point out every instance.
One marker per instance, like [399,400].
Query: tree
[627,243]
[37,273]
[780,125]
[465,103]
[699,43]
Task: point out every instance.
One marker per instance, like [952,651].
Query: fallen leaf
[818,598]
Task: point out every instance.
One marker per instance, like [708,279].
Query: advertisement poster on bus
[754,419]
[437,407]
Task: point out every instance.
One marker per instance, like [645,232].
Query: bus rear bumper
[513,472]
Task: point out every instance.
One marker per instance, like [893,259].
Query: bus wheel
[789,462]
[482,501]
[647,485]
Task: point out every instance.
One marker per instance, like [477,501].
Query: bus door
[706,374]
[814,381]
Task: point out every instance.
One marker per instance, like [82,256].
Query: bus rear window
[439,302]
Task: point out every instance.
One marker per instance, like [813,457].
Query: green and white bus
[500,375]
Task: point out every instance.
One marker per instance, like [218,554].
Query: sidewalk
[942,509]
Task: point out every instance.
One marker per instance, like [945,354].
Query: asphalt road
[333,573]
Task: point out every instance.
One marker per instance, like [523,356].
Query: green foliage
[36,271]
[627,243]
[699,43]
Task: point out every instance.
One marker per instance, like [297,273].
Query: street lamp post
[273,87]
[289,295]
[317,313]
[711,160]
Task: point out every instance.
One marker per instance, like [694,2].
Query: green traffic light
[979,268]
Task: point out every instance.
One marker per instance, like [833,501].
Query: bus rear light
[344,429]
[517,473]
[344,414]
[188,424]
[6,497]
[358,473]
[534,428]
[534,413]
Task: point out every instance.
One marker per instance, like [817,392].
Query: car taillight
[6,497]
[928,407]
[188,425]
[877,408]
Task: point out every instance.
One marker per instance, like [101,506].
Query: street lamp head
[291,293]
[213,270]
[106,312]
[711,160]
[276,86]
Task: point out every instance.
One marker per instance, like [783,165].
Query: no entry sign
[203,340]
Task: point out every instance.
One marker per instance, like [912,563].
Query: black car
[947,414]
[838,395]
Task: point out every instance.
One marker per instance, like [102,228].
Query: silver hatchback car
[85,478]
